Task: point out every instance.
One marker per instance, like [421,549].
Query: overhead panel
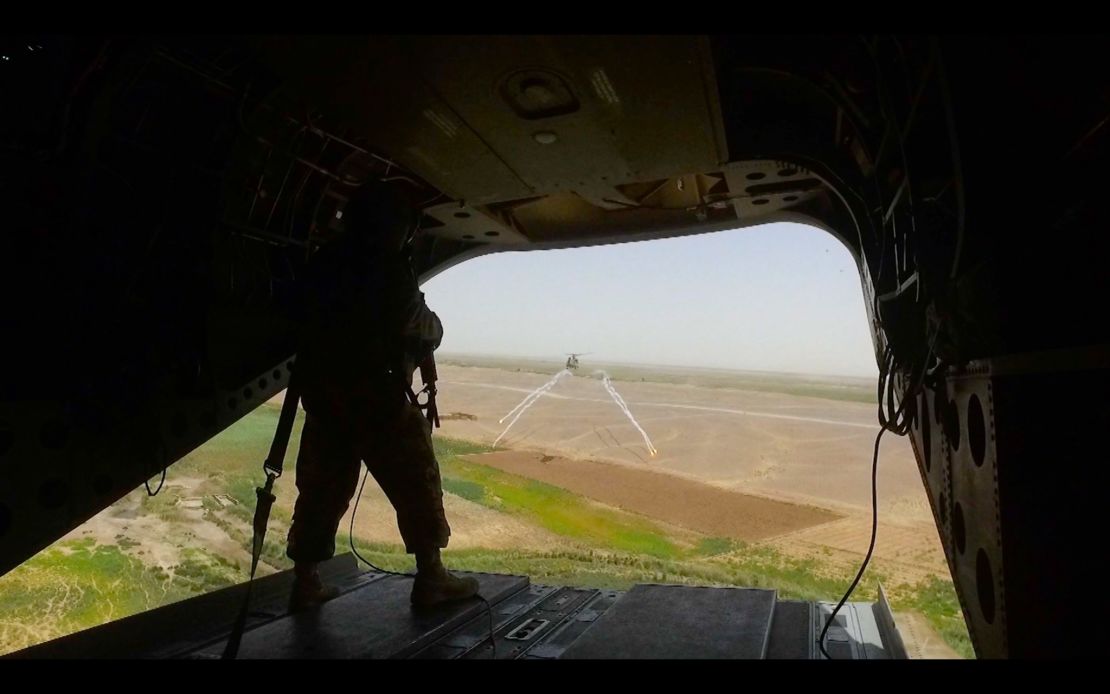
[467,223]
[399,112]
[760,186]
[578,113]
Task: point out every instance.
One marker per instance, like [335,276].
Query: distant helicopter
[572,359]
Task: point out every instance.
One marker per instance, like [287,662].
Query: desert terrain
[814,452]
[756,479]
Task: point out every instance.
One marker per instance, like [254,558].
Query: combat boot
[432,590]
[310,591]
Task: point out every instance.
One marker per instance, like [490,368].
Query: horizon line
[501,355]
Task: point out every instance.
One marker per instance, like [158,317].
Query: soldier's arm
[421,328]
[424,328]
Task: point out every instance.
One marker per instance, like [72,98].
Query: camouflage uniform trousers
[398,452]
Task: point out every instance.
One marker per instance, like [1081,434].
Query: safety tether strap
[272,467]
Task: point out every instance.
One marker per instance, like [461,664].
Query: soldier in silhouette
[365,327]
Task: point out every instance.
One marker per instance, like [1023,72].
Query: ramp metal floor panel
[560,638]
[529,630]
[474,635]
[792,635]
[372,618]
[375,621]
[691,622]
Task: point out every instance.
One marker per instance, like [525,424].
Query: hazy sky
[779,297]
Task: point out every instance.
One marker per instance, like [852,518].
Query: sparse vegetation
[76,585]
[937,600]
[558,510]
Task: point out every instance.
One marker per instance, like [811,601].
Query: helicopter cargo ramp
[372,619]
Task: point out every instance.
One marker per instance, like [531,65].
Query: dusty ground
[733,456]
[811,450]
[911,551]
[920,640]
[163,542]
[472,525]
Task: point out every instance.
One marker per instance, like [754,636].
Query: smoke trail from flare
[527,402]
[535,394]
[627,413]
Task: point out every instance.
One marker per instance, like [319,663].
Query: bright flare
[624,408]
[527,402]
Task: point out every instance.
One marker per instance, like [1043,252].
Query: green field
[78,583]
